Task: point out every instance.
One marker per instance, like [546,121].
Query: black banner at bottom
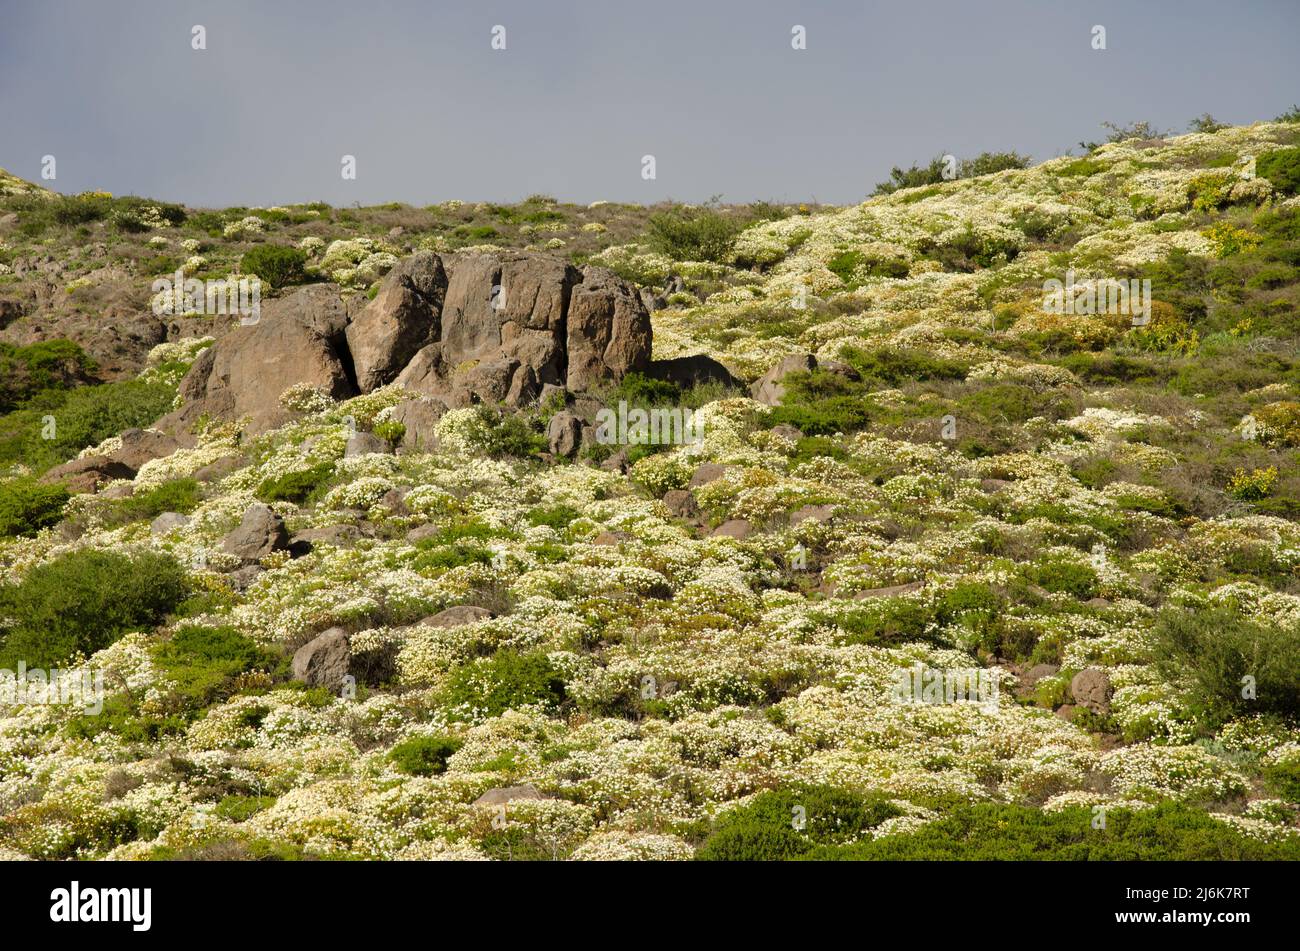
[336,900]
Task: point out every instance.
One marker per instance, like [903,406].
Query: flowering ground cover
[1097,511]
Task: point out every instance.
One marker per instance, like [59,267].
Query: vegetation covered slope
[976,482]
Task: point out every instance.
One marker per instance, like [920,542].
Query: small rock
[260,533]
[564,434]
[616,463]
[892,591]
[89,473]
[681,503]
[737,528]
[361,444]
[817,513]
[323,661]
[456,616]
[768,388]
[1091,688]
[241,579]
[168,522]
[787,431]
[709,472]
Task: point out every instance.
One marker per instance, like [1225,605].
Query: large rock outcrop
[468,328]
[300,338]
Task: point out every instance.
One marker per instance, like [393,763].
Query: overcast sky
[585,88]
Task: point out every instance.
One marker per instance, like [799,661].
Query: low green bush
[55,425]
[1282,168]
[424,755]
[507,679]
[1213,652]
[694,234]
[294,487]
[27,506]
[787,823]
[1008,833]
[275,264]
[81,602]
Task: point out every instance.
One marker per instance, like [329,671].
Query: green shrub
[424,755]
[838,414]
[507,679]
[986,163]
[49,364]
[1282,168]
[1284,779]
[1060,576]
[557,517]
[200,661]
[241,808]
[81,602]
[275,264]
[637,389]
[509,434]
[1213,650]
[294,486]
[1008,833]
[82,417]
[27,506]
[693,234]
[178,495]
[786,823]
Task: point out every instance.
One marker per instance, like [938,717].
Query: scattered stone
[892,591]
[217,469]
[737,528]
[768,388]
[419,416]
[616,463]
[709,472]
[142,445]
[681,503]
[260,533]
[817,513]
[1091,688]
[456,616]
[361,444]
[87,474]
[564,434]
[692,371]
[241,579]
[323,661]
[168,522]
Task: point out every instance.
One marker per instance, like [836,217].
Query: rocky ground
[363,579]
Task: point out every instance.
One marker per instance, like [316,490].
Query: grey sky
[711,88]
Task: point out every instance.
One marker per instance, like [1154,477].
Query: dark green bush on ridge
[277,265]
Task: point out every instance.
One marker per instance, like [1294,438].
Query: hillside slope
[1083,524]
